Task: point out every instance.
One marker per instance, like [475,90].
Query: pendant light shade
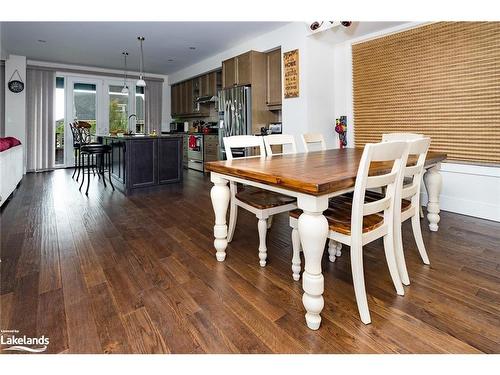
[125,87]
[140,81]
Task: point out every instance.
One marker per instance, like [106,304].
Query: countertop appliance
[195,152]
[235,116]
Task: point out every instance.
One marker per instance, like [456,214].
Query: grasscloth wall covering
[442,80]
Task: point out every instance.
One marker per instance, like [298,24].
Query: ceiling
[100,44]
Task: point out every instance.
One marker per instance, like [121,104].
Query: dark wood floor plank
[51,320]
[143,336]
[112,335]
[114,274]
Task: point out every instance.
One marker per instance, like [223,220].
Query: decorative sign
[14,85]
[291,73]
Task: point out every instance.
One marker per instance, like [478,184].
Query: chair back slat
[243,141]
[380,181]
[313,142]
[282,140]
[376,206]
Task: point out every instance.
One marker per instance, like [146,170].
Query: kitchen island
[140,162]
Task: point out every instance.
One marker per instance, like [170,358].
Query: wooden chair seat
[262,199]
[338,216]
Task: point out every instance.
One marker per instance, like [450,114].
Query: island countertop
[133,137]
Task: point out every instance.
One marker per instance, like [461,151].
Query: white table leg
[220,201]
[313,232]
[433,182]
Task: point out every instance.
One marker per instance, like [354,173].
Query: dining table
[312,178]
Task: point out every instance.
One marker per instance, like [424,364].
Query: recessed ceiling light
[41,41]
[192,47]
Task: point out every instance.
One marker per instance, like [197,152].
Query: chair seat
[338,215]
[262,199]
[95,148]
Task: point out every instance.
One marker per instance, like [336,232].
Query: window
[440,80]
[59,124]
[118,110]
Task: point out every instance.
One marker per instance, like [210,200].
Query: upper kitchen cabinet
[238,71]
[274,87]
[210,83]
[184,95]
[229,73]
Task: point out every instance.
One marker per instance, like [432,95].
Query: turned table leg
[433,182]
[313,232]
[220,201]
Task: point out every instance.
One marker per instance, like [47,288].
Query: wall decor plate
[16,85]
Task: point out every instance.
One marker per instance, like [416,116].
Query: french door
[100,102]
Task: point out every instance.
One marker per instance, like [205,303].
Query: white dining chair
[313,142]
[287,141]
[391,137]
[407,207]
[355,223]
[262,203]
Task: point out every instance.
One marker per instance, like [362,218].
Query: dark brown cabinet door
[176,99]
[244,69]
[170,152]
[274,77]
[188,97]
[142,157]
[229,73]
[205,85]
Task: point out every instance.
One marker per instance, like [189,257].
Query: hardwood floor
[112,274]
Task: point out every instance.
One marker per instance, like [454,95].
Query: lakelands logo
[23,343]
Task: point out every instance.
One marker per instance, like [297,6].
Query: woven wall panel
[442,80]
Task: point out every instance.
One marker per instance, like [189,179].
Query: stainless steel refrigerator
[235,116]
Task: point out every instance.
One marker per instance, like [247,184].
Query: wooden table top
[315,173]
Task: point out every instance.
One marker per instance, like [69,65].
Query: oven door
[195,164]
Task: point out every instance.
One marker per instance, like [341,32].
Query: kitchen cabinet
[238,70]
[183,94]
[145,162]
[209,84]
[169,160]
[229,73]
[210,147]
[273,84]
[187,103]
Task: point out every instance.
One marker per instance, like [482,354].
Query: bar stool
[102,154]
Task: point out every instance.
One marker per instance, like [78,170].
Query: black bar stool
[97,155]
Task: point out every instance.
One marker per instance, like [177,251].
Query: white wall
[15,103]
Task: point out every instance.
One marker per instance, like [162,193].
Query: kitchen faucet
[129,117]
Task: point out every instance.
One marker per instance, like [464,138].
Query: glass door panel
[59,123]
[85,104]
[118,110]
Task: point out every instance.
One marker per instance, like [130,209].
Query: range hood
[206,99]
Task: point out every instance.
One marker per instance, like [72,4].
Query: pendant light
[125,87]
[140,81]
